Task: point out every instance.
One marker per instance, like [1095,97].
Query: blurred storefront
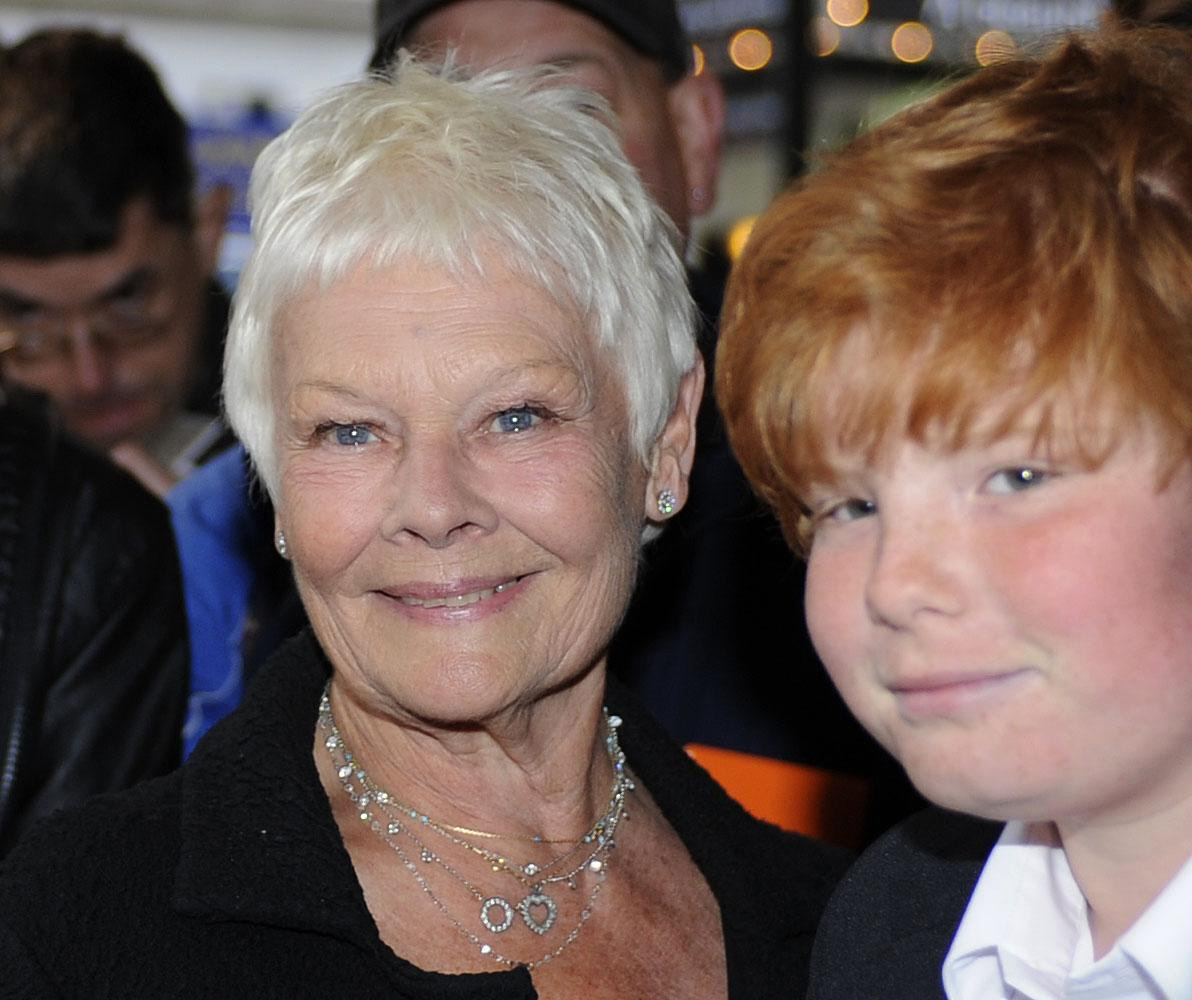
[801,75]
[805,75]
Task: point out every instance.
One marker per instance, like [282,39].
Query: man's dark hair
[85,128]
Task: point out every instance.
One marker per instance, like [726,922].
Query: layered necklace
[418,841]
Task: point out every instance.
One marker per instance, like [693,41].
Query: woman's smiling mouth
[457,600]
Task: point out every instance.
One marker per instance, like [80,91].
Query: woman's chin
[453,692]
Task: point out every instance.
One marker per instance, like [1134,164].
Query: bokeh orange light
[911,42]
[825,36]
[847,13]
[738,236]
[750,49]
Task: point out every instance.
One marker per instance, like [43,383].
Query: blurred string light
[911,42]
[825,36]
[750,49]
[699,62]
[847,13]
[994,46]
[738,235]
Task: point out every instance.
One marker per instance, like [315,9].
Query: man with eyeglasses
[106,298]
[103,271]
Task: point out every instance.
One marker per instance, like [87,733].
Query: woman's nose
[436,497]
[917,570]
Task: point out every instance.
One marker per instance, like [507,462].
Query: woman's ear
[674,451]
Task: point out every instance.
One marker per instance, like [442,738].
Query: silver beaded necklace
[391,820]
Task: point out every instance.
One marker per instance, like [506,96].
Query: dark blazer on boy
[890,923]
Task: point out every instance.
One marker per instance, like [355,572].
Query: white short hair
[428,163]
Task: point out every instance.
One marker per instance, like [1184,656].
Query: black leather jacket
[93,652]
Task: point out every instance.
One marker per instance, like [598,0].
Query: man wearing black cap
[632,53]
[714,641]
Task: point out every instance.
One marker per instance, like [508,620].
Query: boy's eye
[851,509]
[1015,480]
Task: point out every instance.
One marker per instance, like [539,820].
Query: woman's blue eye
[520,418]
[352,434]
[1015,480]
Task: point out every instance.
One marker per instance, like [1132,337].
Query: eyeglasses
[130,317]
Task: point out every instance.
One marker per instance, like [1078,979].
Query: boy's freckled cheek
[835,610]
[1035,569]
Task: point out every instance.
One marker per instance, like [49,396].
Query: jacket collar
[258,839]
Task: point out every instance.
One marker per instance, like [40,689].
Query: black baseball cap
[650,26]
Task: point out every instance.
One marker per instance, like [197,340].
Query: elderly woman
[958,361]
[462,361]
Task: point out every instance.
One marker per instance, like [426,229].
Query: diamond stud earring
[279,542]
[668,503]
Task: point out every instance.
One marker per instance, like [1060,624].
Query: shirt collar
[1026,930]
[1158,940]
[1022,922]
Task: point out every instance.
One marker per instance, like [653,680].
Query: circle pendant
[496,902]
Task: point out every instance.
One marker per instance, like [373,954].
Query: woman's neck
[536,769]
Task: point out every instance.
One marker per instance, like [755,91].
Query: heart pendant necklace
[404,828]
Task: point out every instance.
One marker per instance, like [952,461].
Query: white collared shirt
[1025,935]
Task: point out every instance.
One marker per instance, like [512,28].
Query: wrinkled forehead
[449,300]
